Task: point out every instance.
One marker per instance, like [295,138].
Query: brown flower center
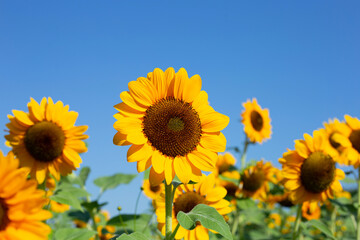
[253,181]
[187,201]
[155,188]
[317,172]
[172,126]
[355,139]
[231,189]
[4,220]
[45,141]
[256,120]
[332,142]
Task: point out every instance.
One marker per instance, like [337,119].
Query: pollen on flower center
[172,126]
[317,172]
[44,141]
[256,120]
[4,220]
[175,124]
[355,139]
[187,201]
[253,181]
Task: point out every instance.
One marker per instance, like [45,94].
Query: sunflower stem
[333,220]
[136,206]
[297,223]
[168,211]
[172,236]
[358,210]
[243,154]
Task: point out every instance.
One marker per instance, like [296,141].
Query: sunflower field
[201,187]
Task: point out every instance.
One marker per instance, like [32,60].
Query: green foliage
[110,182]
[321,226]
[133,236]
[208,217]
[74,234]
[83,175]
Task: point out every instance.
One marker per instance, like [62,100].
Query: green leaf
[133,236]
[321,226]
[73,234]
[84,174]
[93,205]
[79,215]
[113,181]
[67,199]
[208,217]
[245,203]
[68,189]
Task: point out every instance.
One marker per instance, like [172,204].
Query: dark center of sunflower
[45,141]
[155,188]
[254,181]
[172,126]
[187,201]
[355,139]
[4,220]
[231,189]
[286,202]
[332,142]
[256,120]
[317,172]
[223,168]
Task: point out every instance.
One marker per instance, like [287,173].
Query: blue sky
[300,59]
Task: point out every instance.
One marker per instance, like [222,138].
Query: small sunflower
[152,191]
[21,203]
[105,232]
[170,126]
[256,121]
[45,140]
[349,139]
[186,197]
[309,171]
[311,210]
[255,180]
[274,220]
[224,163]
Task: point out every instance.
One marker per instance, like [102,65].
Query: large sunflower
[46,140]
[170,126]
[256,121]
[21,203]
[186,197]
[255,180]
[349,139]
[309,171]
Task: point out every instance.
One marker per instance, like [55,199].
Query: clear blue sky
[300,59]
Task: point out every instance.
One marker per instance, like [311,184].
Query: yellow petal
[200,100]
[214,122]
[207,184]
[130,101]
[120,139]
[214,142]
[182,169]
[216,194]
[139,153]
[169,170]
[158,161]
[22,118]
[155,178]
[191,88]
[143,94]
[301,148]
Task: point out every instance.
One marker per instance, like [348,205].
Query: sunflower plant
[196,191]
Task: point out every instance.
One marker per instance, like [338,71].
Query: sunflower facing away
[255,180]
[170,126]
[186,197]
[152,191]
[21,203]
[45,140]
[309,171]
[256,121]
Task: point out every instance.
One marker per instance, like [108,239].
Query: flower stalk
[296,232]
[168,210]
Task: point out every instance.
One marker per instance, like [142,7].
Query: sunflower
[170,126]
[311,210]
[309,171]
[224,163]
[256,121]
[186,197]
[46,140]
[21,203]
[274,220]
[255,180]
[152,191]
[349,139]
[105,232]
